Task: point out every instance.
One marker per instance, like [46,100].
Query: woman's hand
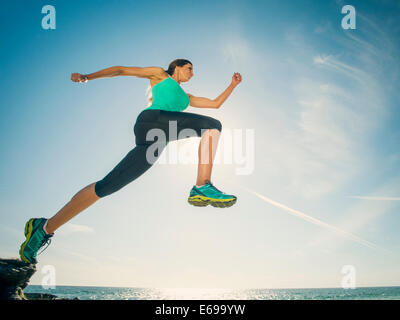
[77,77]
[236,79]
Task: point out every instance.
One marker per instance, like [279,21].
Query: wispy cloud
[342,101]
[70,228]
[12,231]
[335,64]
[318,222]
[376,198]
[360,216]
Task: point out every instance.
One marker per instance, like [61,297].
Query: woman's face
[185,72]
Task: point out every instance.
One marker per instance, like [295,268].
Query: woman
[168,102]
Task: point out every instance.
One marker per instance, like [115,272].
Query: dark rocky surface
[14,277]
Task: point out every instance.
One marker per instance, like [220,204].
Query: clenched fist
[236,78]
[77,77]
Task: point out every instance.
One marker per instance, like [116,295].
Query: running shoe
[209,194]
[36,238]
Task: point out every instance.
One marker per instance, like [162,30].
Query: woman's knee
[132,166]
[99,189]
[218,125]
[213,124]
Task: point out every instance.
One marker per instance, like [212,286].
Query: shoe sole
[28,234]
[201,201]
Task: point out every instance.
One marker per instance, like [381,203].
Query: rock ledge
[14,277]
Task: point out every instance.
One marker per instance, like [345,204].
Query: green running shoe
[208,194]
[36,238]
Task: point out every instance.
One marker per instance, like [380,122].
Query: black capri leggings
[136,161]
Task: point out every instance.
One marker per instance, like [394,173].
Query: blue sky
[322,103]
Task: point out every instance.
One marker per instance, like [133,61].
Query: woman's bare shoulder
[162,76]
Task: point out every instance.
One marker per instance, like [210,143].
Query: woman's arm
[200,102]
[147,72]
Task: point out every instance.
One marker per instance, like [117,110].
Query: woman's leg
[207,149]
[79,202]
[207,128]
[135,163]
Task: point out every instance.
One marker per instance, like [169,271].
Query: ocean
[111,293]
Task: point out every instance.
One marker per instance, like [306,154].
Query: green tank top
[168,95]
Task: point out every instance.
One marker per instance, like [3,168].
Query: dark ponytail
[176,63]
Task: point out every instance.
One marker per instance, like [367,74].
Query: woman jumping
[168,102]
